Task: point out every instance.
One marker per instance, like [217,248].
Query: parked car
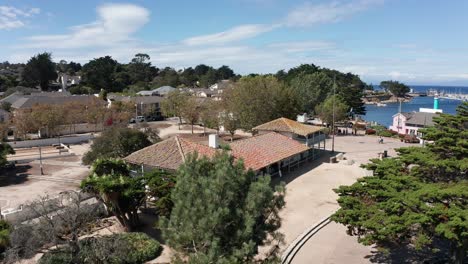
[410,139]
[137,119]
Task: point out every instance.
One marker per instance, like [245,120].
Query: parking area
[25,182]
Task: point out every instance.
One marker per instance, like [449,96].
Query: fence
[51,141]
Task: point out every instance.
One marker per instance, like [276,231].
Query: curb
[297,244]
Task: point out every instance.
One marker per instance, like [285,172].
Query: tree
[190,111]
[224,72]
[5,229]
[99,73]
[210,114]
[188,77]
[39,70]
[396,88]
[325,110]
[5,106]
[5,149]
[140,68]
[159,188]
[48,117]
[51,221]
[222,213]
[116,142]
[173,104]
[123,195]
[312,89]
[418,198]
[257,100]
[209,78]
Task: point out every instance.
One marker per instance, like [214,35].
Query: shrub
[4,235]
[128,248]
[385,133]
[370,131]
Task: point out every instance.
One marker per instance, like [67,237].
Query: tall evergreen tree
[418,197]
[40,70]
[221,212]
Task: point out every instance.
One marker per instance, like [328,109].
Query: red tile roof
[263,150]
[169,154]
[257,152]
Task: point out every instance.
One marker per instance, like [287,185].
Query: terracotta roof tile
[263,150]
[287,125]
[169,154]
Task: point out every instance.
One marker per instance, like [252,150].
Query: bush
[128,248]
[4,235]
[370,131]
[116,143]
[385,133]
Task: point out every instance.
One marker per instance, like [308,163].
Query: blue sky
[417,42]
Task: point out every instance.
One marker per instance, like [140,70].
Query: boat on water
[381,104]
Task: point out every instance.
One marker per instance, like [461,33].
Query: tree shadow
[148,224]
[305,167]
[17,175]
[408,255]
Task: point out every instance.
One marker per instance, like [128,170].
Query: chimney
[213,141]
[436,103]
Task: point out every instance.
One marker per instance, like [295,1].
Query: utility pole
[333,119]
[40,160]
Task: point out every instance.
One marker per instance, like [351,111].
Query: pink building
[409,123]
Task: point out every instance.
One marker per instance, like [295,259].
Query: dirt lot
[25,182]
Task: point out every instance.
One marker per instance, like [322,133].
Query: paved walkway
[310,198]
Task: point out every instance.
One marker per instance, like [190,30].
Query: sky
[413,41]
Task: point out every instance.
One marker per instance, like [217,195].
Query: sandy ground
[25,183]
[310,198]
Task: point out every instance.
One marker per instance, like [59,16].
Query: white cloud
[234,34]
[114,26]
[11,17]
[312,14]
[303,46]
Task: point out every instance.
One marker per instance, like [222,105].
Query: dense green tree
[99,73]
[222,213]
[5,228]
[188,77]
[257,100]
[224,72]
[116,142]
[417,198]
[39,70]
[159,188]
[396,88]
[123,195]
[5,149]
[312,89]
[209,78]
[332,104]
[167,76]
[140,69]
[201,69]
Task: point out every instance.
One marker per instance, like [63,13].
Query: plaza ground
[310,199]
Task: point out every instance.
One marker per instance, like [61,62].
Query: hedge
[125,248]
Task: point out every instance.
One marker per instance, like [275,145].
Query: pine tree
[221,212]
[418,197]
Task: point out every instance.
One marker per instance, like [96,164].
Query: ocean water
[383,115]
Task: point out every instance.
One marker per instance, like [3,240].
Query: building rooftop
[287,125]
[262,150]
[30,100]
[169,154]
[257,152]
[420,118]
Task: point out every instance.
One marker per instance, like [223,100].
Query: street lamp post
[333,116]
